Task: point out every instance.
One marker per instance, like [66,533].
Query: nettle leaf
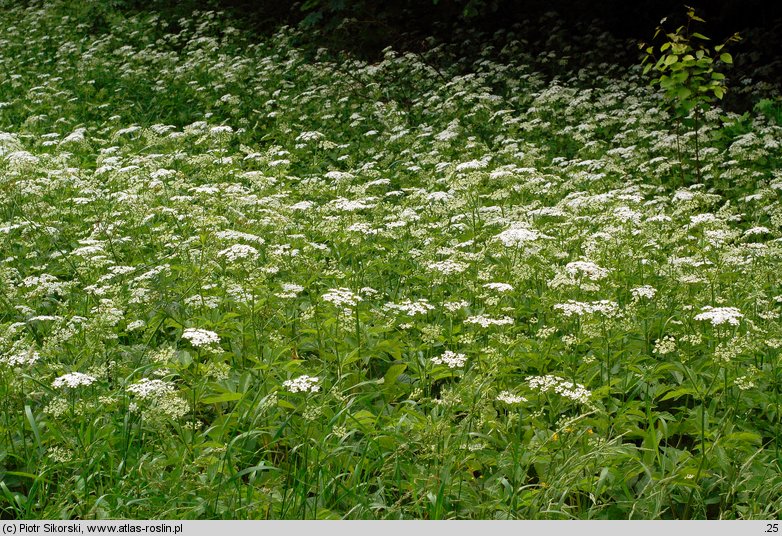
[682,93]
[225,397]
[393,373]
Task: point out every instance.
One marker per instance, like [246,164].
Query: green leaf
[310,4]
[676,393]
[726,58]
[285,404]
[36,433]
[365,419]
[744,437]
[27,475]
[225,397]
[682,93]
[393,373]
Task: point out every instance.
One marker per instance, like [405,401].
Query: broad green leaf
[365,419]
[285,404]
[683,93]
[393,373]
[225,397]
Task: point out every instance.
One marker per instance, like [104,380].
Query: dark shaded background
[373,25]
[403,24]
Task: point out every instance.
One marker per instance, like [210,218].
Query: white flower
[720,315]
[744,383]
[517,237]
[136,324]
[645,291]
[73,379]
[21,359]
[498,287]
[200,337]
[302,384]
[239,251]
[757,230]
[561,386]
[146,388]
[302,205]
[509,398]
[342,297]
[453,306]
[486,321]
[221,129]
[590,270]
[452,359]
[665,346]
[474,164]
[309,136]
[448,267]
[434,197]
[289,290]
[604,307]
[411,308]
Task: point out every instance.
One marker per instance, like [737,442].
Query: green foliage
[687,66]
[771,109]
[687,75]
[430,286]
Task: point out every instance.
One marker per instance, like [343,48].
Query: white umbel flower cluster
[200,337]
[410,308]
[645,291]
[302,384]
[720,315]
[485,321]
[517,237]
[238,252]
[146,388]
[572,307]
[451,359]
[73,379]
[587,269]
[289,290]
[509,398]
[499,287]
[561,386]
[21,359]
[342,297]
[447,267]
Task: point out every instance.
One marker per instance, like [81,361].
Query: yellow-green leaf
[225,397]
[393,373]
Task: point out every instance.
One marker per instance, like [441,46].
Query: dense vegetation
[243,279]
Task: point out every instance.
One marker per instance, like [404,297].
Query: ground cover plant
[240,279]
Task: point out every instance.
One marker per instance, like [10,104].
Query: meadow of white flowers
[242,280]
